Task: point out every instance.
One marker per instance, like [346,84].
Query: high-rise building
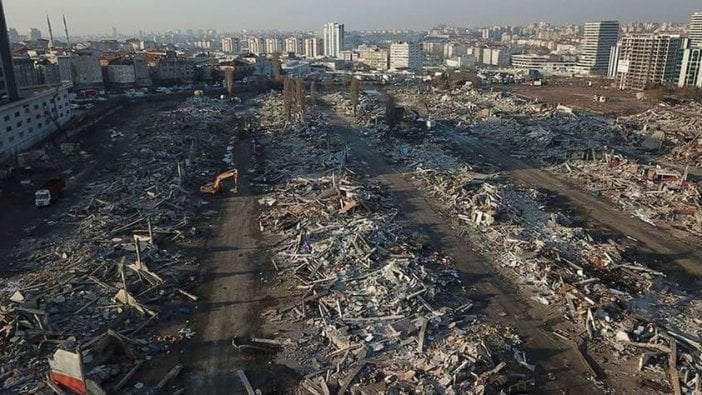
[34,34]
[313,47]
[293,45]
[333,37]
[690,74]
[231,45]
[695,30]
[599,38]
[274,45]
[406,56]
[14,36]
[647,60]
[255,45]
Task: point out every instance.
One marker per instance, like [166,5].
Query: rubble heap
[98,287]
[377,308]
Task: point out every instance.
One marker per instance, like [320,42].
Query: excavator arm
[216,186]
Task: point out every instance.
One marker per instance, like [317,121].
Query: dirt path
[560,366]
[233,297]
[679,261]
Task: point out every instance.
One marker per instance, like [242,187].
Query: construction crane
[216,186]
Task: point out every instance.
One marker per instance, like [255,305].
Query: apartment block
[647,60]
[406,56]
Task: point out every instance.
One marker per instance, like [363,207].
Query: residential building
[598,40]
[231,45]
[333,36]
[169,68]
[690,71]
[14,36]
[647,60]
[274,45]
[26,74]
[27,121]
[255,45]
[406,56]
[121,73]
[142,73]
[34,34]
[293,45]
[695,30]
[376,58]
[82,68]
[348,55]
[313,48]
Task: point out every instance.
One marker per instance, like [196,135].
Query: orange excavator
[216,186]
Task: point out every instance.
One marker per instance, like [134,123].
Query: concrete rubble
[375,308]
[115,266]
[648,164]
[592,278]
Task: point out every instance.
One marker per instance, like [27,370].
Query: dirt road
[235,296]
[662,251]
[561,367]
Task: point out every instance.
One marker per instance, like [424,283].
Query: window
[11,138]
[17,114]
[9,128]
[28,120]
[60,106]
[19,124]
[37,116]
[31,130]
[36,106]
[21,135]
[7,117]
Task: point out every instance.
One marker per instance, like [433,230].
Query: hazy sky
[99,16]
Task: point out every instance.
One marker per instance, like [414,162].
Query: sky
[130,16]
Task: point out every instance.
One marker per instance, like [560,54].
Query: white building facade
[406,56]
[28,121]
[333,36]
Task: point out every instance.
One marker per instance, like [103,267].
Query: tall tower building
[293,45]
[313,47]
[647,60]
[273,45]
[333,37]
[690,66]
[695,30]
[255,45]
[599,38]
[230,45]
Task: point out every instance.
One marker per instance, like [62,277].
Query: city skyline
[86,17]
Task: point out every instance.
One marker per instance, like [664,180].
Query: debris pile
[115,267]
[377,309]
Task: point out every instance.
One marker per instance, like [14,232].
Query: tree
[390,116]
[313,93]
[277,67]
[346,79]
[300,95]
[229,78]
[288,98]
[355,92]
